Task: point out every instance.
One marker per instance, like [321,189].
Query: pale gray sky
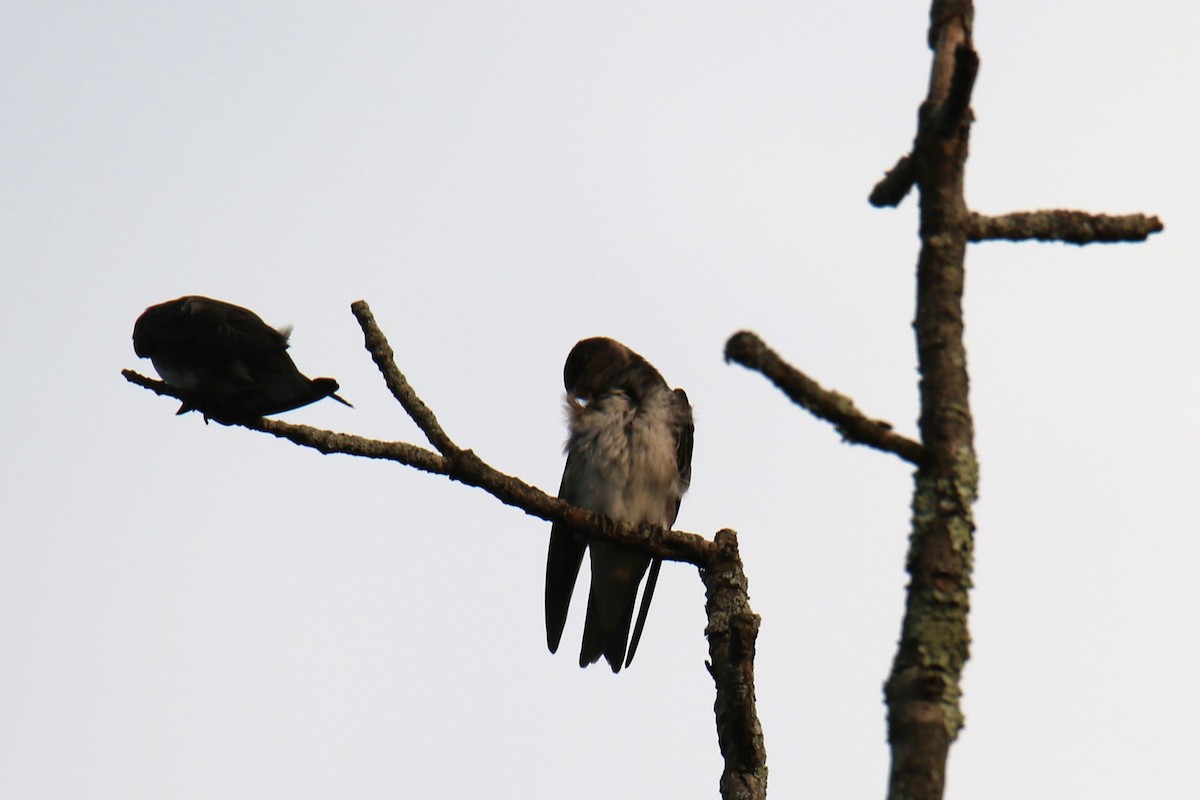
[200,612]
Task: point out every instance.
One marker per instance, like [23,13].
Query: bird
[629,457]
[225,361]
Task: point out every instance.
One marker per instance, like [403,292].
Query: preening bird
[229,364]
[629,457]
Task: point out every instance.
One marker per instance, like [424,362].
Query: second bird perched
[629,457]
[229,363]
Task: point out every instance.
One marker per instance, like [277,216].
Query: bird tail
[616,574]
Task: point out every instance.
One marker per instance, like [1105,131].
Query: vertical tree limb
[923,691]
[732,631]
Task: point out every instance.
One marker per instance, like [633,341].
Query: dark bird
[229,364]
[629,457]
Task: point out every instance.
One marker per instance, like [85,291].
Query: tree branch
[1060,225]
[318,439]
[922,691]
[384,357]
[732,625]
[895,185]
[956,107]
[751,352]
[953,108]
[732,632]
[466,467]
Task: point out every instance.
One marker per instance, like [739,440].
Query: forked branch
[732,626]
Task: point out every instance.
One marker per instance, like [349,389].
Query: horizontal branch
[751,352]
[466,467]
[456,463]
[319,439]
[1057,225]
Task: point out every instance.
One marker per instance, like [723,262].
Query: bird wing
[683,460]
[644,609]
[233,332]
[616,573]
[563,560]
[204,330]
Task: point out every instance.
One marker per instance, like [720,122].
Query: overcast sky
[191,611]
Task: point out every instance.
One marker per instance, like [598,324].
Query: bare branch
[318,439]
[328,442]
[466,467]
[922,690]
[732,632]
[751,352]
[158,387]
[732,625]
[953,110]
[377,344]
[1059,225]
[895,185]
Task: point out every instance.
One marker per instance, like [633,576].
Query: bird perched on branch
[629,457]
[229,364]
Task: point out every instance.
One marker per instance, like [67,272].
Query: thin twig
[384,357]
[748,350]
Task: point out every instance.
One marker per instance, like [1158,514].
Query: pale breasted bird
[629,457]
[229,364]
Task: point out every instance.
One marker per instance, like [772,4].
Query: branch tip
[895,185]
[384,357]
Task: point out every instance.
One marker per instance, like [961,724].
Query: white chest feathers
[622,458]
